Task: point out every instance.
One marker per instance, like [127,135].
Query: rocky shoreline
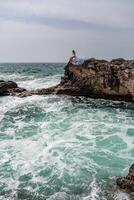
[94,78]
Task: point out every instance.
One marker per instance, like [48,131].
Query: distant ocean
[60,147]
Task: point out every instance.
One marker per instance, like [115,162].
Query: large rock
[101,79]
[9,88]
[94,78]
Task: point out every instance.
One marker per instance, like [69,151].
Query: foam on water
[68,148]
[41,82]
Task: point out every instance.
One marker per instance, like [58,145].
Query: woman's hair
[74,52]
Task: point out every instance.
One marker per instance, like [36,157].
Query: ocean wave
[59,147]
[30,82]
[45,82]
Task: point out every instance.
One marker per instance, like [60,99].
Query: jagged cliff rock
[101,79]
[94,78]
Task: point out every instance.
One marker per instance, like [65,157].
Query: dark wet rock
[7,84]
[9,88]
[43,91]
[127,183]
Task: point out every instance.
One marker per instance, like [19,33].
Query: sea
[60,147]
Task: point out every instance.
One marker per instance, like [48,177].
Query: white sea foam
[121,196]
[30,82]
[64,143]
[15,77]
[11,103]
[45,82]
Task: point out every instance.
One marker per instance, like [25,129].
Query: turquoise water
[59,147]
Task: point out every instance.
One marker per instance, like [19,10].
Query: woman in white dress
[75,60]
[72,57]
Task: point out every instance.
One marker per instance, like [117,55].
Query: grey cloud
[47,30]
[72,24]
[71,14]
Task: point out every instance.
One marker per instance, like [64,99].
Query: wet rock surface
[102,79]
[127,183]
[9,88]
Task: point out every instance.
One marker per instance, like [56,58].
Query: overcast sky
[47,30]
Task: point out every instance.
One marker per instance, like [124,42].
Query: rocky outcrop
[9,88]
[127,183]
[94,78]
[101,79]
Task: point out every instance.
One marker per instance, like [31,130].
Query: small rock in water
[9,88]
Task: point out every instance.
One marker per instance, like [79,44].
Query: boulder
[9,88]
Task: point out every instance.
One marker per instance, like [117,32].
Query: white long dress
[77,61]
